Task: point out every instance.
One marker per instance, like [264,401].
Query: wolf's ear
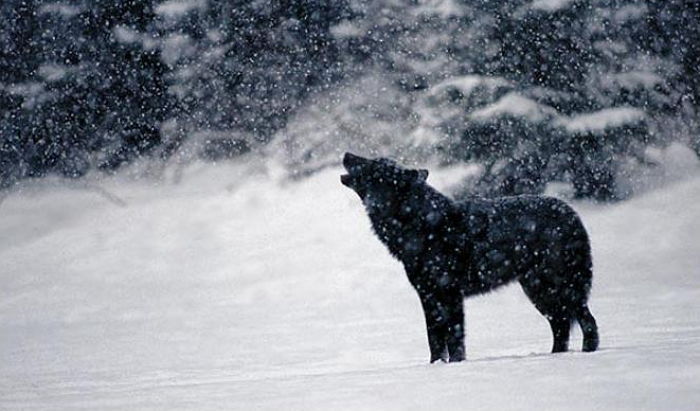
[422,175]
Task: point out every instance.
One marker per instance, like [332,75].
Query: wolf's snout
[351,160]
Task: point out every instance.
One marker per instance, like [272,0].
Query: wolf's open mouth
[351,161]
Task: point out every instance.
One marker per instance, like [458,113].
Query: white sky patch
[178,8]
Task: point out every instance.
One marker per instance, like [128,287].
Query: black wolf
[452,250]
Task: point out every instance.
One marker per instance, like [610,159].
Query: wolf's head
[380,182]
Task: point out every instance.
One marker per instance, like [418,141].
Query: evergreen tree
[129,75]
[250,65]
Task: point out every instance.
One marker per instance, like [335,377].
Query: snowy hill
[221,294]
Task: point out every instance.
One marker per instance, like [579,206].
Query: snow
[633,80]
[178,8]
[468,84]
[64,10]
[550,5]
[126,35]
[239,291]
[175,47]
[440,8]
[515,105]
[603,119]
[346,29]
[33,93]
[53,72]
[630,12]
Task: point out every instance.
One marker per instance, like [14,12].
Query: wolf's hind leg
[561,327]
[547,298]
[589,329]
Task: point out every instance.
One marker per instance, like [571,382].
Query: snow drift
[237,291]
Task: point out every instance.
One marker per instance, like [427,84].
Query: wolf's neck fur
[416,221]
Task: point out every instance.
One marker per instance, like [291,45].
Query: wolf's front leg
[436,327]
[455,327]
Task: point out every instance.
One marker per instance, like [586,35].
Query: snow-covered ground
[237,292]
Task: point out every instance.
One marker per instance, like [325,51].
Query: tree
[248,66]
[129,76]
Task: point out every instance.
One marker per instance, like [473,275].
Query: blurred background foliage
[534,91]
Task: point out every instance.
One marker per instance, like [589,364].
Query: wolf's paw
[457,358]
